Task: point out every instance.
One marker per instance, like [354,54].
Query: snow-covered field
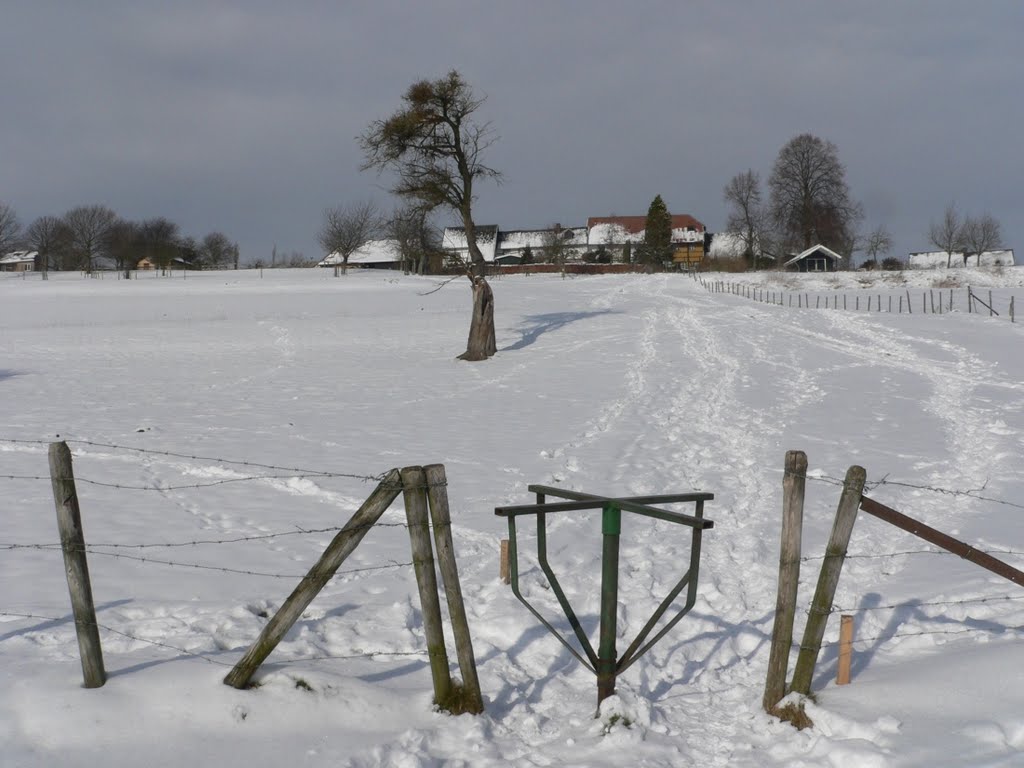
[165,387]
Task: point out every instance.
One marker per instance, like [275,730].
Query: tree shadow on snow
[534,326]
[6,374]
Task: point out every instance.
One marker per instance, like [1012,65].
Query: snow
[624,384]
[940,259]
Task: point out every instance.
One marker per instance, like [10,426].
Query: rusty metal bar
[939,539]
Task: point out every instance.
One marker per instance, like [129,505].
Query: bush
[870,265]
[892,264]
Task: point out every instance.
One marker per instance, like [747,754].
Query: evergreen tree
[657,245]
[527,257]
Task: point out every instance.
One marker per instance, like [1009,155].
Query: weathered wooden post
[440,515]
[414,489]
[503,570]
[341,546]
[794,482]
[845,649]
[76,568]
[828,579]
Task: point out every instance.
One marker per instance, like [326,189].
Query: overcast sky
[242,116]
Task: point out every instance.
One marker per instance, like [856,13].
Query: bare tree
[217,251]
[89,228]
[556,247]
[947,234]
[748,218]
[160,242]
[348,228]
[435,147]
[979,235]
[810,201]
[123,245]
[50,236]
[417,239]
[10,228]
[878,243]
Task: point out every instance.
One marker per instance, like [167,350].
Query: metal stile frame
[605,663]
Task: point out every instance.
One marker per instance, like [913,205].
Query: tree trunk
[481,343]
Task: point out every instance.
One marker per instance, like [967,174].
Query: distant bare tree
[878,243]
[89,228]
[415,236]
[557,251]
[160,242]
[810,200]
[748,218]
[10,228]
[216,251]
[947,234]
[348,228]
[123,245]
[979,235]
[50,236]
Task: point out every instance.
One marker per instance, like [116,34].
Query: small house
[817,258]
[19,261]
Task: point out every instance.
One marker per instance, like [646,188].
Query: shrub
[892,264]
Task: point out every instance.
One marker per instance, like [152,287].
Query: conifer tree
[657,245]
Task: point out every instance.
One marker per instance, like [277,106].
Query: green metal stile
[606,663]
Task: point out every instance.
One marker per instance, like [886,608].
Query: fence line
[782,298]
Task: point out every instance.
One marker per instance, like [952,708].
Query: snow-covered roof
[618,230]
[811,250]
[939,259]
[517,239]
[19,257]
[373,252]
[454,239]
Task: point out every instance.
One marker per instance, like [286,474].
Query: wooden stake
[845,649]
[414,483]
[794,482]
[440,515]
[343,544]
[503,569]
[828,579]
[76,568]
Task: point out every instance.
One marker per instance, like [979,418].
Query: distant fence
[932,301]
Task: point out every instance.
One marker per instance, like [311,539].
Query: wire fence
[132,551]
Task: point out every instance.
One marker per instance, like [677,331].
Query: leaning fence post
[828,579]
[794,481]
[341,546]
[414,490]
[76,568]
[440,515]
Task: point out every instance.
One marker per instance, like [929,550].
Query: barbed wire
[891,636]
[907,552]
[870,485]
[199,542]
[916,604]
[206,657]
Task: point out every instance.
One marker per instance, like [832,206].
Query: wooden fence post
[414,489]
[845,649]
[504,573]
[794,481]
[440,515]
[341,546]
[828,579]
[76,568]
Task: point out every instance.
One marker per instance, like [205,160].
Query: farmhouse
[817,258]
[942,260]
[19,261]
[608,233]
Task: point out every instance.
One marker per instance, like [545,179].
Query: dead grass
[794,714]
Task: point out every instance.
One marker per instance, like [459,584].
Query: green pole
[611,527]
